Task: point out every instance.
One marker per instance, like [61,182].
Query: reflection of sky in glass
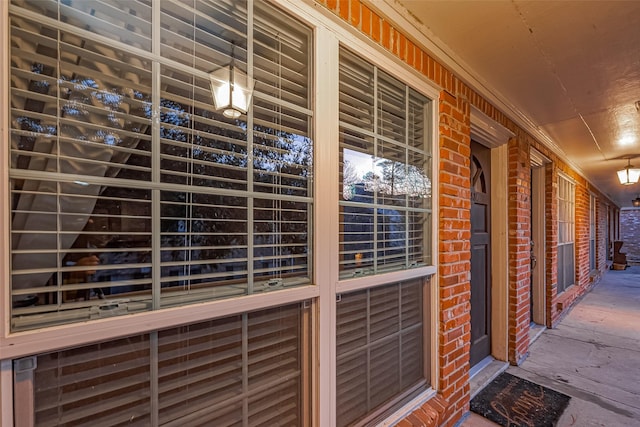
[362,163]
[382,175]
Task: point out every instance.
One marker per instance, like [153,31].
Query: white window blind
[385,153]
[380,349]
[113,212]
[241,370]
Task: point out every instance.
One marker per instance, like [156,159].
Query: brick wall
[519,204]
[630,233]
[455,99]
[582,236]
[455,251]
[551,231]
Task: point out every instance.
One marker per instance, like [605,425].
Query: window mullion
[250,153]
[368,365]
[375,155]
[245,369]
[154,378]
[400,335]
[155,158]
[407,223]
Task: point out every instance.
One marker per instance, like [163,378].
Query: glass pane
[204,247]
[379,349]
[81,108]
[391,98]
[200,34]
[385,175]
[110,206]
[199,146]
[81,251]
[282,154]
[244,368]
[281,57]
[110,382]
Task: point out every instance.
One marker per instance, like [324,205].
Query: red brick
[366,20]
[386,34]
[343,9]
[355,13]
[376,24]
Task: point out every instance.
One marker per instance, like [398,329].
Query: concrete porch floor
[593,356]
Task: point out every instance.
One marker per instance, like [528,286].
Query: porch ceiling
[571,67]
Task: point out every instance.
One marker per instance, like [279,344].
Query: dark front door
[480,253]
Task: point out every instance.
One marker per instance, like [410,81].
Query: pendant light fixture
[231,89]
[628,175]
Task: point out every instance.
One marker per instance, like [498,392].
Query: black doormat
[512,402]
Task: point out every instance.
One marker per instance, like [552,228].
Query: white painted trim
[326,215]
[538,234]
[487,131]
[6,391]
[6,366]
[563,175]
[407,409]
[499,253]
[435,247]
[537,158]
[58,337]
[365,282]
[5,106]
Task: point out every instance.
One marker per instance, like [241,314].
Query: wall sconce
[628,175]
[636,202]
[231,89]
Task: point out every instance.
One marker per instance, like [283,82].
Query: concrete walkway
[593,356]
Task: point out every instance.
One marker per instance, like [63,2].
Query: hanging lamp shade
[628,175]
[231,89]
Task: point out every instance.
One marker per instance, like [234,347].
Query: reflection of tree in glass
[217,225]
[349,180]
[282,159]
[398,179]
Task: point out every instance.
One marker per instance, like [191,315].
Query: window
[566,232]
[248,369]
[129,193]
[385,143]
[385,153]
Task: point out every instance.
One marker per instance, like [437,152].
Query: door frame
[538,235]
[493,135]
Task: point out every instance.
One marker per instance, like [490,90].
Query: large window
[385,153]
[129,192]
[384,231]
[566,232]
